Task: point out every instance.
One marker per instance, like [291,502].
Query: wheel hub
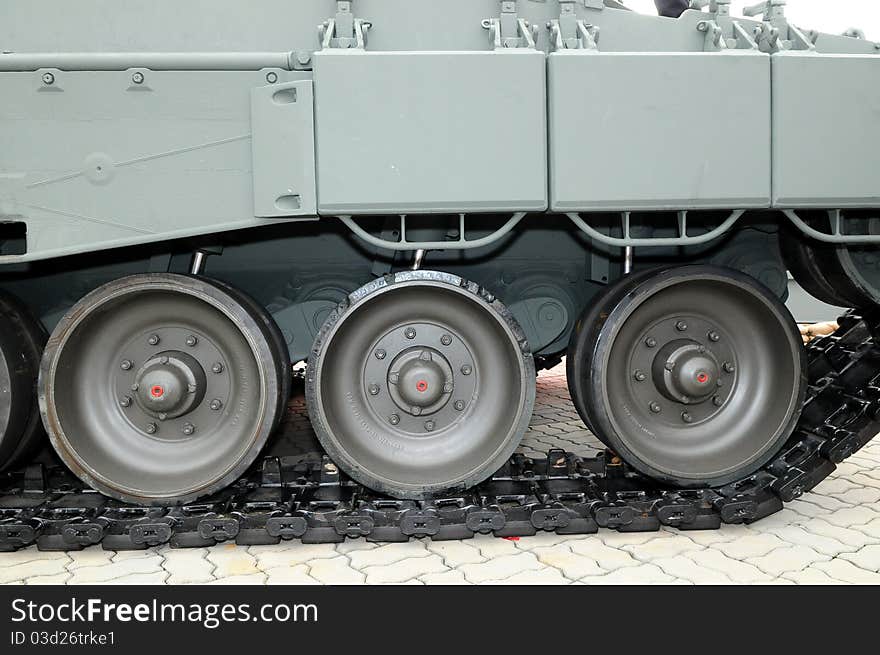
[170,384]
[686,371]
[420,378]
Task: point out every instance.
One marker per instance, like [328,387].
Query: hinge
[722,32]
[568,32]
[776,34]
[509,30]
[344,31]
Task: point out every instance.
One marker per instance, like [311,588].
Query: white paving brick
[750,545]
[798,536]
[850,517]
[335,571]
[115,570]
[405,570]
[572,566]
[500,567]
[844,571]
[687,569]
[784,560]
[606,557]
[642,574]
[811,576]
[453,577]
[740,572]
[32,568]
[455,553]
[186,566]
[291,553]
[866,558]
[657,548]
[298,575]
[388,554]
[538,577]
[231,561]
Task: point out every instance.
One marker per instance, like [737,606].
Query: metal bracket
[568,32]
[344,31]
[681,240]
[836,235]
[461,243]
[509,30]
[722,32]
[776,34]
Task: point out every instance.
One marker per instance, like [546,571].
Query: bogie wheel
[696,377]
[806,261]
[420,383]
[160,388]
[21,344]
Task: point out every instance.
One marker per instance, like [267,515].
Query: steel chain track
[306,498]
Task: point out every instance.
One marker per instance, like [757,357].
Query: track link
[306,497]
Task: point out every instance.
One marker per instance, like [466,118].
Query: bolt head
[446,340]
[728,367]
[640,376]
[48,78]
[416,410]
[152,428]
[374,389]
[394,419]
[681,326]
[654,407]
[459,405]
[651,342]
[717,401]
[394,378]
[271,77]
[137,78]
[686,417]
[410,333]
[429,426]
[217,368]
[380,354]
[669,366]
[466,370]
[447,388]
[188,429]
[191,340]
[163,416]
[191,388]
[216,404]
[125,401]
[714,336]
[125,365]
[153,339]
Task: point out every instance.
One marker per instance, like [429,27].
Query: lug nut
[188,429]
[216,404]
[654,407]
[681,326]
[687,418]
[48,78]
[153,339]
[271,77]
[447,388]
[191,388]
[380,354]
[152,428]
[394,419]
[135,386]
[163,416]
[429,426]
[714,336]
[729,368]
[125,401]
[651,342]
[640,376]
[410,333]
[138,78]
[394,378]
[125,365]
[459,405]
[415,410]
[717,401]
[217,368]
[374,389]
[163,360]
[466,370]
[670,366]
[191,340]
[446,340]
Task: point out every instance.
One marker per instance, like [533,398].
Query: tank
[426,201]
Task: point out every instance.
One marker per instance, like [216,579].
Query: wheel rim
[420,386]
[699,378]
[158,388]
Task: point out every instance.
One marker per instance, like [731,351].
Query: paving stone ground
[830,536]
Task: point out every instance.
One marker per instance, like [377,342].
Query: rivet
[429,426]
[651,342]
[137,78]
[681,326]
[48,78]
[729,368]
[374,389]
[217,368]
[687,418]
[394,419]
[654,407]
[216,404]
[380,354]
[125,401]
[271,77]
[153,339]
[410,333]
[125,365]
[191,340]
[446,340]
[717,401]
[188,429]
[459,405]
[640,376]
[466,370]
[714,336]
[151,428]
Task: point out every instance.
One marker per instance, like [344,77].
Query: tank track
[305,496]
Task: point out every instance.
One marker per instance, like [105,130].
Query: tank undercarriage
[533,196]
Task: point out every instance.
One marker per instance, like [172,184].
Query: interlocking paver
[831,535]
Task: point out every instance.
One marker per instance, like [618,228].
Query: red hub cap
[157,391]
[421,386]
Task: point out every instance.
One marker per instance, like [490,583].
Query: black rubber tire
[79,386]
[405,458]
[22,339]
[766,396]
[807,261]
